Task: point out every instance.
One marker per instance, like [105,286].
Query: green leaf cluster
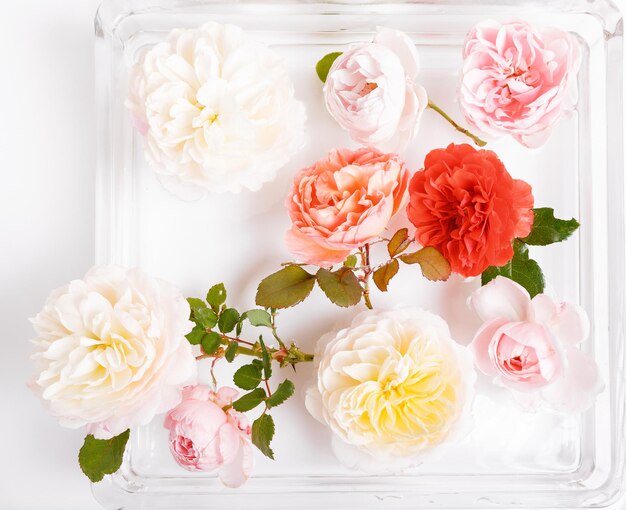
[249,377]
[520,269]
[546,229]
[214,322]
[433,264]
[293,284]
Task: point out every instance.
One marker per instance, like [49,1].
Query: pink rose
[372,93]
[518,79]
[530,347]
[343,202]
[207,434]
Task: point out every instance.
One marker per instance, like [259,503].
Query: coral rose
[465,204]
[531,347]
[371,91]
[518,79]
[111,350]
[207,434]
[343,202]
[391,387]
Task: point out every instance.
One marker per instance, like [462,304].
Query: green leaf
[195,335]
[211,342]
[399,242]
[239,326]
[266,359]
[205,317]
[324,65]
[433,264]
[231,352]
[350,261]
[216,296]
[520,269]
[263,433]
[342,287]
[259,318]
[547,229]
[285,288]
[249,401]
[99,457]
[283,392]
[384,274]
[195,303]
[228,320]
[248,377]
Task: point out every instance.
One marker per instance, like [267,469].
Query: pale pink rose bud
[531,347]
[518,79]
[371,91]
[206,434]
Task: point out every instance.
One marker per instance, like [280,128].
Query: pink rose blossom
[518,79]
[343,202]
[371,91]
[530,346]
[207,434]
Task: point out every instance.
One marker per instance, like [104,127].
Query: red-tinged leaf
[433,264]
[399,242]
[384,274]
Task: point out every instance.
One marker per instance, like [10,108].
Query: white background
[47,143]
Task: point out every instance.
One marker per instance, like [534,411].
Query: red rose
[465,204]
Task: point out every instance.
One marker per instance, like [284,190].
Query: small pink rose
[518,79]
[531,347]
[343,202]
[371,91]
[207,434]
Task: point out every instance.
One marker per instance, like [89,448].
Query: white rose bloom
[391,387]
[217,111]
[372,91]
[111,350]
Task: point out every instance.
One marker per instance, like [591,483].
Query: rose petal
[570,324]
[577,389]
[402,46]
[501,298]
[480,346]
[235,473]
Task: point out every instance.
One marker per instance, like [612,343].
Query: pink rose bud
[531,347]
[518,79]
[206,434]
[371,91]
[343,202]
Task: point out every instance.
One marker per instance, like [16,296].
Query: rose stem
[274,330]
[477,141]
[365,262]
[301,357]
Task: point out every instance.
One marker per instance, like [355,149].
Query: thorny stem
[267,387]
[273,314]
[477,141]
[284,355]
[367,271]
[213,378]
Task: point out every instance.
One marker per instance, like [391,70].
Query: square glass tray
[511,459]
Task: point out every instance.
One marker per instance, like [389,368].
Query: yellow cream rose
[393,384]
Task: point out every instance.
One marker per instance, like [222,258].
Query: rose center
[367,88]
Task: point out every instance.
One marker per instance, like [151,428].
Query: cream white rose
[394,385]
[217,111]
[111,350]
